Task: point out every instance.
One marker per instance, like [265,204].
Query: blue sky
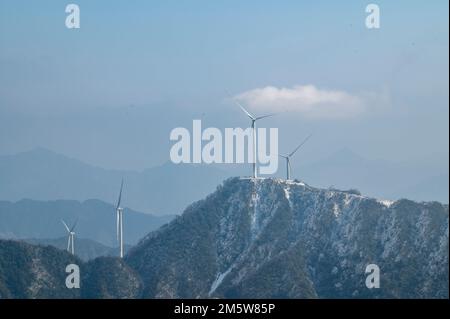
[148,66]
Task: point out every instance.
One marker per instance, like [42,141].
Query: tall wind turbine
[70,237]
[254,119]
[119,223]
[288,158]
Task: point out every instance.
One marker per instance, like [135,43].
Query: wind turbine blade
[246,112]
[120,195]
[68,242]
[264,116]
[74,225]
[298,147]
[282,156]
[65,225]
[242,108]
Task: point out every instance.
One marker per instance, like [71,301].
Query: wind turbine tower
[254,119]
[288,158]
[119,222]
[70,237]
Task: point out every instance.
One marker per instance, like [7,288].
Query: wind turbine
[254,119]
[119,223]
[288,158]
[70,237]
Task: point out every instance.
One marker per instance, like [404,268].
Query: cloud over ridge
[306,99]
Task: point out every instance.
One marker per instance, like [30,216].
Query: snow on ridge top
[386,202]
[295,183]
[330,192]
[288,182]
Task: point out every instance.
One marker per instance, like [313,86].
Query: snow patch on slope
[287,194]
[219,279]
[336,209]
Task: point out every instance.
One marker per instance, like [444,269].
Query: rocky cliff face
[270,238]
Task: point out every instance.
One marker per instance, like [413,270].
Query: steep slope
[96,220]
[36,272]
[271,238]
[110,278]
[28,271]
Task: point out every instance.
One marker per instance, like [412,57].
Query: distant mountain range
[27,219]
[378,178]
[258,239]
[41,174]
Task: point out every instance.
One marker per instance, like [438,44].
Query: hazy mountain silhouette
[379,178]
[44,175]
[96,220]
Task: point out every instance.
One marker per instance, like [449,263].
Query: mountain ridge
[295,241]
[264,238]
[85,249]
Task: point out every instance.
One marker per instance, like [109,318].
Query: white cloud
[307,99]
